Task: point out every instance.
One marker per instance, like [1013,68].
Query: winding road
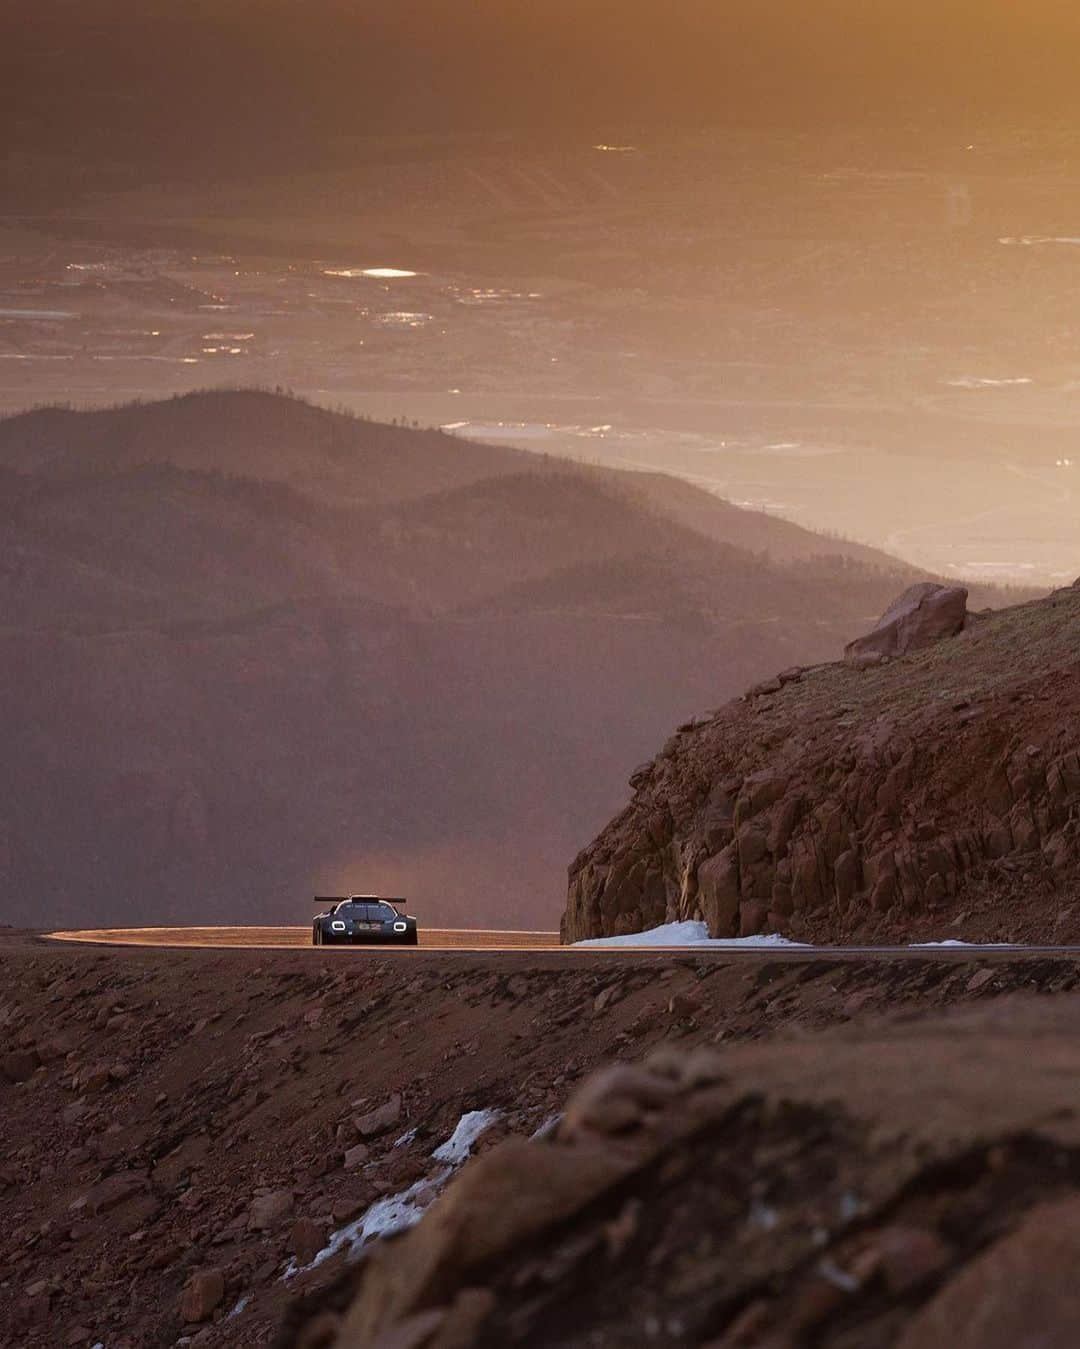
[492,942]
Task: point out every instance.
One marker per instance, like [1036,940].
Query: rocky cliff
[934,795]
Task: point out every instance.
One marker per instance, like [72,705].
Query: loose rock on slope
[923,614]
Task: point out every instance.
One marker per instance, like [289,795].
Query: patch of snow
[403,1210]
[395,1213]
[458,1146]
[970,945]
[240,1307]
[688,934]
[547,1129]
[405,1139]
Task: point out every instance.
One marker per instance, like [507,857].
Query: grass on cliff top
[998,651]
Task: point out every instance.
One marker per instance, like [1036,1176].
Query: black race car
[353,919]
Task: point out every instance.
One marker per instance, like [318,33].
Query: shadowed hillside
[254,648]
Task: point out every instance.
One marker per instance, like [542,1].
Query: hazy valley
[463,650]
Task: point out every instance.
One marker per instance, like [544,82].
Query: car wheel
[412,938]
[316,936]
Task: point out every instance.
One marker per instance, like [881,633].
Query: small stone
[377,1121]
[306,1240]
[19,1065]
[346,1209]
[110,1193]
[269,1210]
[71,1114]
[93,1079]
[356,1156]
[682,1007]
[605,997]
[202,1295]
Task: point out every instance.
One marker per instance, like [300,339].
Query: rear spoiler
[395,900]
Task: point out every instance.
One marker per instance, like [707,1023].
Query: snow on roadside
[397,1212]
[692,934]
[688,934]
[967,945]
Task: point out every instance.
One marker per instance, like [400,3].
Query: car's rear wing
[397,901]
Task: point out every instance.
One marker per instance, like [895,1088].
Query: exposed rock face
[936,796]
[1022,1291]
[675,1192]
[923,614]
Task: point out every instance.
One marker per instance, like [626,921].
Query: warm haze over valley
[590,493]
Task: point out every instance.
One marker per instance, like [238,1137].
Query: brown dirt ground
[167,1089]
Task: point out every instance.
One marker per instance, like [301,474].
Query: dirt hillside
[932,797]
[181,1130]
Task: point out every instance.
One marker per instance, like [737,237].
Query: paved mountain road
[493,942]
[442,939]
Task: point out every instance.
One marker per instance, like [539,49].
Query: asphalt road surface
[441,939]
[463,939]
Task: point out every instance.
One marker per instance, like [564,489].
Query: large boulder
[923,614]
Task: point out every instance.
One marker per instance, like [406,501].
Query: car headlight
[401,927]
[337,927]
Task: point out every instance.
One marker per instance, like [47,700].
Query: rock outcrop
[936,795]
[675,1195]
[923,614]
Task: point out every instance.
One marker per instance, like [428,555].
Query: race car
[353,919]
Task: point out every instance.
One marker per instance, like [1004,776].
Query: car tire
[412,938]
[316,936]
